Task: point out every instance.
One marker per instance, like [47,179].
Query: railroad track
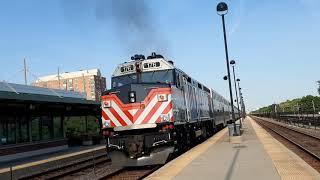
[72,170]
[308,143]
[132,173]
[98,168]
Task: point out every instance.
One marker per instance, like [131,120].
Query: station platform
[254,155]
[18,168]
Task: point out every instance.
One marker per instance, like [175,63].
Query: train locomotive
[154,110]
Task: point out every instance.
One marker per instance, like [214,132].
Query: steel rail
[63,171]
[290,140]
[293,129]
[126,172]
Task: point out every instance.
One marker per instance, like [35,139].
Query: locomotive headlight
[132,96]
[106,104]
[162,97]
[107,123]
[164,118]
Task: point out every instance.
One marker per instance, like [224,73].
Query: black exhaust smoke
[131,21]
[133,24]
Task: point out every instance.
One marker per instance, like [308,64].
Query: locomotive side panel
[220,110]
[179,106]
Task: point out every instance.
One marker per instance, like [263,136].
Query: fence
[304,119]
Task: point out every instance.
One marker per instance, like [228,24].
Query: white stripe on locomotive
[121,114]
[160,110]
[112,118]
[147,110]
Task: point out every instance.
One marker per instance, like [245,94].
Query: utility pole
[25,71]
[314,108]
[59,76]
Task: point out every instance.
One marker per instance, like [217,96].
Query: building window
[64,84]
[11,125]
[46,128]
[23,130]
[70,84]
[35,128]
[4,130]
[13,130]
[57,127]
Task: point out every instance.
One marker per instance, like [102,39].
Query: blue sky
[275,43]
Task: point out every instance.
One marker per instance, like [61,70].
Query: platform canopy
[18,92]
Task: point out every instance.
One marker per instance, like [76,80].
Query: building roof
[31,93]
[69,75]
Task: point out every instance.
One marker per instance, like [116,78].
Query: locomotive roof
[146,65]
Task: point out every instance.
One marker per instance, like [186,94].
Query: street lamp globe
[232,62]
[225,78]
[222,8]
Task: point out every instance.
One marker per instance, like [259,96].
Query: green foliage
[76,126]
[302,105]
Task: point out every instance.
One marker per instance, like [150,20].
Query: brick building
[90,82]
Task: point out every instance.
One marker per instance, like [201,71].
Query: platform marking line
[173,168]
[4,170]
[287,163]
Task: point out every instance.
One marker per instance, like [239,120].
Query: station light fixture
[222,8]
[225,78]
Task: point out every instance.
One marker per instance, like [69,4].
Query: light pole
[222,9]
[232,62]
[241,98]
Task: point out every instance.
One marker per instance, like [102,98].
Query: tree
[301,105]
[318,87]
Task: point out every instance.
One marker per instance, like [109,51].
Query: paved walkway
[239,158]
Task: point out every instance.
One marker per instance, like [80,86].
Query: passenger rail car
[155,109]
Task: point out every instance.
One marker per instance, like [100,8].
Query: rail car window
[189,79]
[146,77]
[178,83]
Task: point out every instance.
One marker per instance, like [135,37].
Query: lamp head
[222,8]
[232,62]
[225,78]
[238,80]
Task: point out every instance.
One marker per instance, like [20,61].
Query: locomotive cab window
[158,77]
[165,76]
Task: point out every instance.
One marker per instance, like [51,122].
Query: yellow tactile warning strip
[173,168]
[287,163]
[49,159]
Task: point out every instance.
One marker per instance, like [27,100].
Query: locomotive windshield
[165,76]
